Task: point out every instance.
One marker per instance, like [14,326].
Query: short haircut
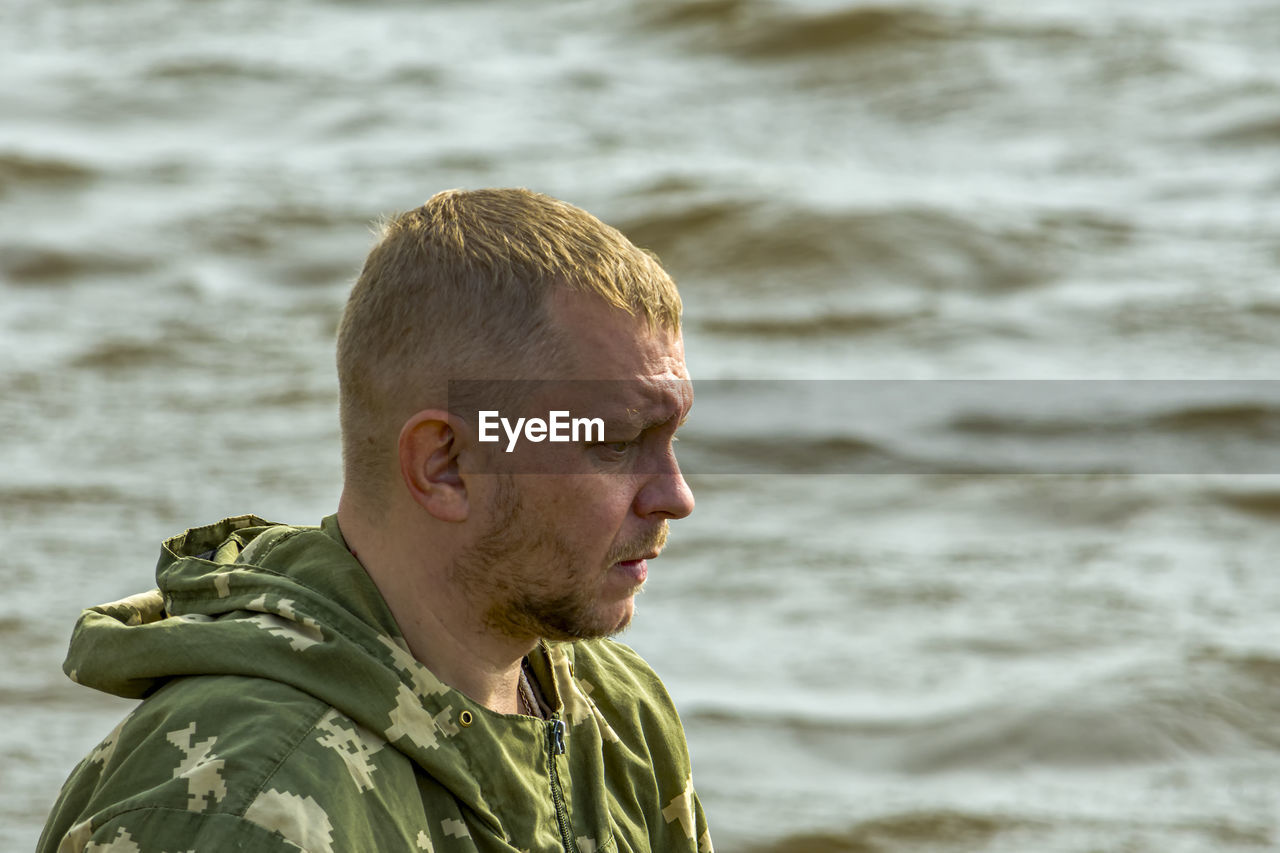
[457,289]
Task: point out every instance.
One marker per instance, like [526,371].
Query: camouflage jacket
[282,711]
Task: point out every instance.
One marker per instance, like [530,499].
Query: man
[428,669]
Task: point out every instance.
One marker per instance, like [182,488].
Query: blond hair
[457,289]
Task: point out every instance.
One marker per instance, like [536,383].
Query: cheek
[601,524]
[584,514]
[600,497]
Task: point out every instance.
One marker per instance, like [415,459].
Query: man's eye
[618,446]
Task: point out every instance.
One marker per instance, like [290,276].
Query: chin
[608,621]
[623,617]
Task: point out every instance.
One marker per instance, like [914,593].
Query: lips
[635,570]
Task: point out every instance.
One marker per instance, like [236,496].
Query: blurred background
[938,189]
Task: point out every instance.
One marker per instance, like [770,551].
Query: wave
[42,265]
[13,626]
[42,501]
[267,230]
[757,241]
[295,398]
[1257,130]
[215,68]
[1211,702]
[905,830]
[785,33]
[1256,419]
[1264,503]
[118,355]
[950,829]
[704,454]
[977,427]
[840,324]
[19,170]
[776,31]
[55,496]
[1215,420]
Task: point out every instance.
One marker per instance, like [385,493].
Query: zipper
[555,746]
[556,736]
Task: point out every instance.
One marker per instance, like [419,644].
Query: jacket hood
[292,604]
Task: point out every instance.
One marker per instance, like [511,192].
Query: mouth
[637,569]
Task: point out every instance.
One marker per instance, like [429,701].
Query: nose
[665,493]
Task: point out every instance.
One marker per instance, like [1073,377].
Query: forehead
[603,342]
[637,370]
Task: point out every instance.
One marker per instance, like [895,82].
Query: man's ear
[430,443]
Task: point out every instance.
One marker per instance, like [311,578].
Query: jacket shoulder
[620,672]
[647,758]
[221,760]
[631,698]
[153,828]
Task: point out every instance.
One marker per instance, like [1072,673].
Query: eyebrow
[655,420]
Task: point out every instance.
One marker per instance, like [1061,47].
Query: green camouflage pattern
[282,710]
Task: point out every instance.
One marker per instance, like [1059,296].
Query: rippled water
[934,190]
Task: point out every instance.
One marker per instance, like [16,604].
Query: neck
[443,629]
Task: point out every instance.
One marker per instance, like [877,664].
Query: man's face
[562,554]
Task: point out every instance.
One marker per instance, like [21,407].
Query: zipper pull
[556,736]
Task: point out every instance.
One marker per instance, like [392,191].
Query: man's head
[458,289]
[562,552]
[511,285]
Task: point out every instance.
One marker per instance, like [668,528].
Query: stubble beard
[533,583]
